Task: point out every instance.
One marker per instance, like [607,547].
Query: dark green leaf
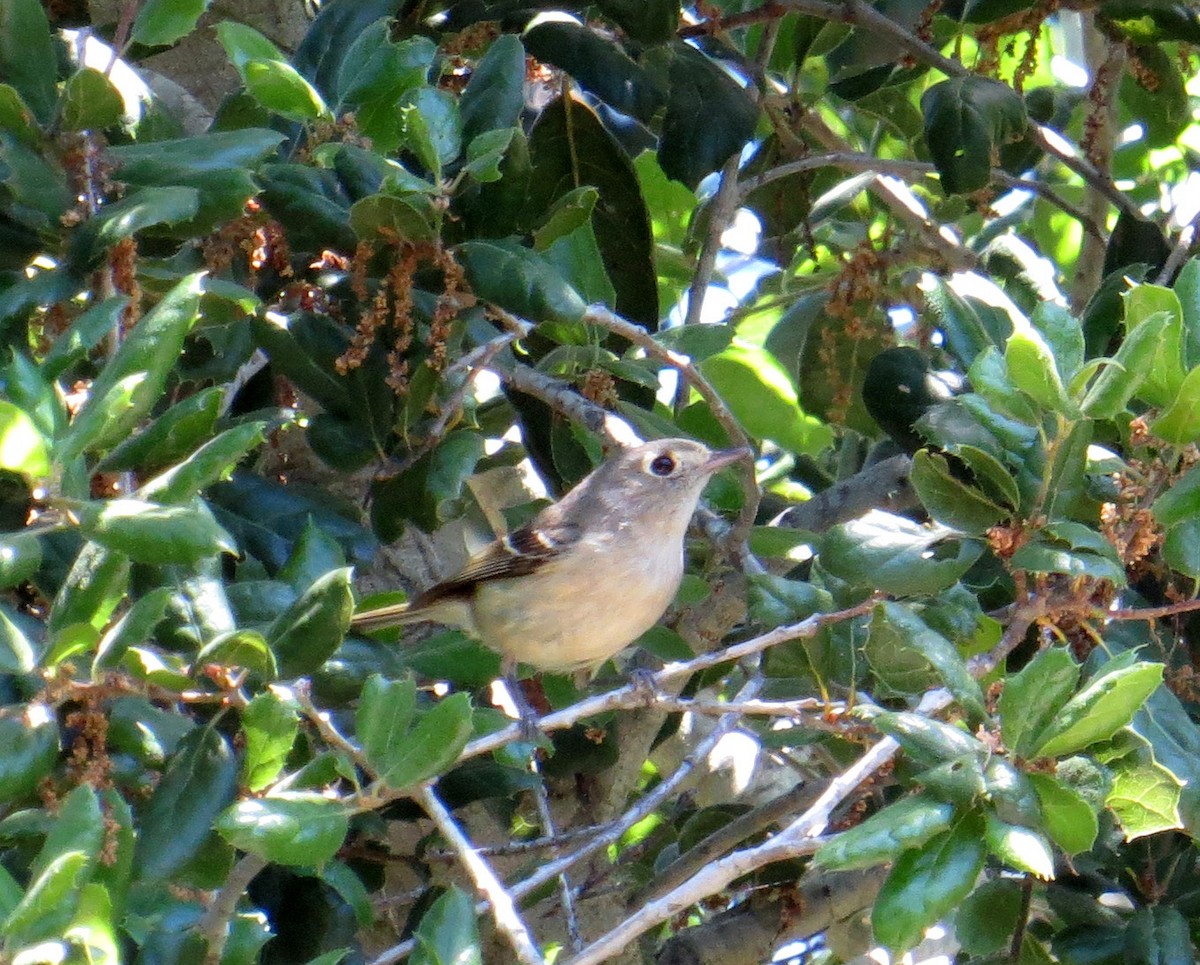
[927,883]
[1158,935]
[240,648]
[97,581]
[495,95]
[135,627]
[31,750]
[987,918]
[306,634]
[940,654]
[270,727]
[84,334]
[520,281]
[162,22]
[966,119]
[199,781]
[709,117]
[212,462]
[27,60]
[170,437]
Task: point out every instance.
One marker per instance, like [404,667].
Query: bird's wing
[521,552]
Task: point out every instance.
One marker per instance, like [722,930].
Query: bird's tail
[380,618]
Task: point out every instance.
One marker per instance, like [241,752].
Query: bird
[587,575]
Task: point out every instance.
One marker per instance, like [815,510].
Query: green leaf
[1122,376]
[927,883]
[1145,798]
[203,154]
[279,87]
[764,399]
[162,22]
[30,744]
[243,44]
[1142,303]
[212,462]
[1032,369]
[27,60]
[1181,548]
[84,335]
[140,209]
[307,633]
[966,120]
[1020,848]
[520,281]
[136,626]
[1063,335]
[1068,470]
[159,535]
[384,716]
[927,741]
[1180,423]
[896,555]
[987,918]
[97,581]
[495,95]
[938,651]
[1105,705]
[78,827]
[375,73]
[292,828]
[240,648]
[949,500]
[411,218]
[17,655]
[172,436]
[23,449]
[908,823]
[90,102]
[314,555]
[1070,821]
[51,898]
[431,746]
[431,126]
[448,932]
[1032,698]
[199,781]
[133,380]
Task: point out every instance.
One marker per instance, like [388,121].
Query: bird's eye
[662,465]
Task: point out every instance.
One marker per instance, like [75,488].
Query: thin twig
[567,895]
[633,695]
[689,375]
[801,837]
[504,911]
[214,926]
[1183,245]
[612,832]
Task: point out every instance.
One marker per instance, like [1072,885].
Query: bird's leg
[525,712]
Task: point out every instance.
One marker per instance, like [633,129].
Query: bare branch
[504,911]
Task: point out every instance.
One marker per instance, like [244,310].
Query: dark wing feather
[521,552]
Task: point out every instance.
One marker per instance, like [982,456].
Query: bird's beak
[725,457]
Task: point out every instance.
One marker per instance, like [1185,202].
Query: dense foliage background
[300,342]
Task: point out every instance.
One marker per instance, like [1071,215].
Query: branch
[634,695]
[504,912]
[214,926]
[563,398]
[609,834]
[801,837]
[690,375]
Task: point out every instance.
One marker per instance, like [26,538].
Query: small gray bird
[588,575]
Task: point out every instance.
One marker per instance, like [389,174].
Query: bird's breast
[577,611]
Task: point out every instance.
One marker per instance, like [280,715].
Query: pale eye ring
[662,465]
